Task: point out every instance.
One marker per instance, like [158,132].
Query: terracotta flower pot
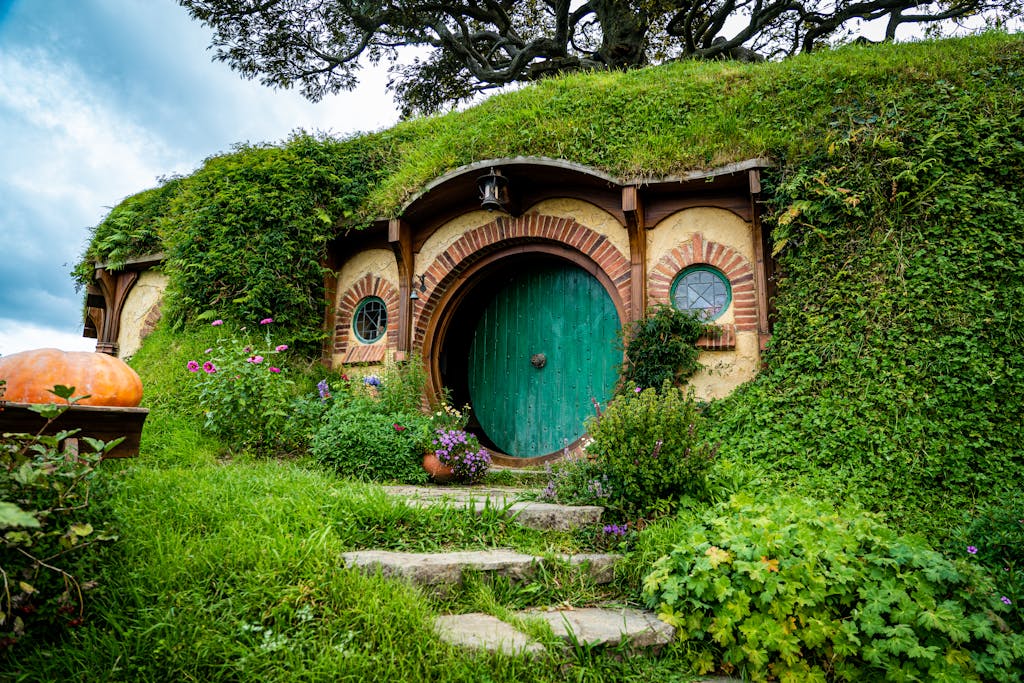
[438,471]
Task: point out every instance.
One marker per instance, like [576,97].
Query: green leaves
[813,591]
[13,516]
[651,446]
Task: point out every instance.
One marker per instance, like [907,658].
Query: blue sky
[98,99]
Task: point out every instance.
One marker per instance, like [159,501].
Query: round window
[702,289]
[371,319]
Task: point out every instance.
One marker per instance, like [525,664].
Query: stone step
[635,630]
[529,513]
[600,626]
[446,569]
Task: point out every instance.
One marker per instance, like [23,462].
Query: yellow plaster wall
[587,215]
[715,225]
[447,234]
[141,298]
[375,262]
[723,371]
[593,217]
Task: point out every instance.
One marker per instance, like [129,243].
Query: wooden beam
[98,422]
[633,210]
[400,239]
[762,269]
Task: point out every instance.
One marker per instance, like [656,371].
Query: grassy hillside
[894,376]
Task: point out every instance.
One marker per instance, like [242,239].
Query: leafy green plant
[791,590]
[47,527]
[244,391]
[995,541]
[462,452]
[373,446]
[652,447]
[661,347]
[575,479]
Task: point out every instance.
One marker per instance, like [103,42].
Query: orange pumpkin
[107,380]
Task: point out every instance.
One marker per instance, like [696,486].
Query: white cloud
[76,148]
[17,336]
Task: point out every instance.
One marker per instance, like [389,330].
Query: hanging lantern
[493,191]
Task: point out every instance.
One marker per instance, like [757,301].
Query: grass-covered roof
[894,375]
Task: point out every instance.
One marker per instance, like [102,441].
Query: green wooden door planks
[542,352]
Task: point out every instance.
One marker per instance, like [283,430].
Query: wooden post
[634,212]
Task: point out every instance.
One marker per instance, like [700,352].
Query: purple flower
[217,323]
[281,347]
[255,359]
[273,369]
[637,390]
[193,366]
[1006,600]
[972,550]
[209,368]
[324,389]
[266,321]
[371,381]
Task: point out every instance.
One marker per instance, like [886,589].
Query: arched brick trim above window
[698,251]
[345,342]
[507,231]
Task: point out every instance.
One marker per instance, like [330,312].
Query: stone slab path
[446,569]
[635,630]
[530,513]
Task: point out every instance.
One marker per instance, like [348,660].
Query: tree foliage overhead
[470,46]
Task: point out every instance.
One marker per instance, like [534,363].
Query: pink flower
[273,369]
[255,359]
[217,323]
[399,428]
[637,389]
[208,350]
[193,366]
[282,347]
[266,321]
[209,368]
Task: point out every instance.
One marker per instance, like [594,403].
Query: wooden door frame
[455,295]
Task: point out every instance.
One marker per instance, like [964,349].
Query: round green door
[542,352]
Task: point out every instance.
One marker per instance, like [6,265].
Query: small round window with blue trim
[703,290]
[371,319]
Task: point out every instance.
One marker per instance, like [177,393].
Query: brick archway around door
[698,251]
[505,232]
[345,344]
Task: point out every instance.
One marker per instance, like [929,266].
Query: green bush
[373,446]
[651,445]
[661,347]
[49,531]
[575,479]
[995,541]
[791,590]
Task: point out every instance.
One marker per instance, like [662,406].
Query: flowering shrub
[791,590]
[576,480]
[462,452]
[994,541]
[651,447]
[243,391]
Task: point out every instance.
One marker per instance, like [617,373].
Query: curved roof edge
[460,173]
